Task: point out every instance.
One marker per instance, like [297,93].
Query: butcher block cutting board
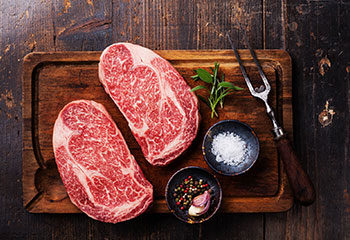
[51,80]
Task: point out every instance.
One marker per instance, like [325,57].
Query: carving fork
[299,181]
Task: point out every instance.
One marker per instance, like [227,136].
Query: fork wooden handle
[299,181]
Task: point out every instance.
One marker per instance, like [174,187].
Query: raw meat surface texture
[159,106]
[101,176]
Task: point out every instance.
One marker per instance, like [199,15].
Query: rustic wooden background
[315,33]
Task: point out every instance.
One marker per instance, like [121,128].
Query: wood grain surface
[315,33]
[51,80]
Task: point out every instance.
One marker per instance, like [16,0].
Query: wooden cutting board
[51,80]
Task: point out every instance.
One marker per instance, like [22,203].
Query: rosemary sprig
[218,90]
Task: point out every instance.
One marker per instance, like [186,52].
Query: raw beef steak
[101,176]
[156,101]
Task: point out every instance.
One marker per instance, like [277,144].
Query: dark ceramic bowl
[242,130]
[197,173]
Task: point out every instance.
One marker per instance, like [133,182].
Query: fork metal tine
[245,75]
[261,72]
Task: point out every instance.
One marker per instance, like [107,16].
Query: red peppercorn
[181,186]
[182,208]
[185,191]
[178,203]
[181,198]
[189,177]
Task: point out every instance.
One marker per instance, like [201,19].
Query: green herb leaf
[219,88]
[226,85]
[204,75]
[198,87]
[237,88]
[229,85]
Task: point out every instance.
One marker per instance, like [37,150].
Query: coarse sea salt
[229,148]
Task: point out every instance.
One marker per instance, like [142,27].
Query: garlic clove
[200,204]
[201,200]
[195,211]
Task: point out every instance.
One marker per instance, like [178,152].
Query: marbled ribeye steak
[101,176]
[161,111]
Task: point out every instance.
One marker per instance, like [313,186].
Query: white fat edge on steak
[124,210]
[64,134]
[145,57]
[101,76]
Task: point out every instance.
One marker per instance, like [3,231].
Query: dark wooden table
[315,33]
